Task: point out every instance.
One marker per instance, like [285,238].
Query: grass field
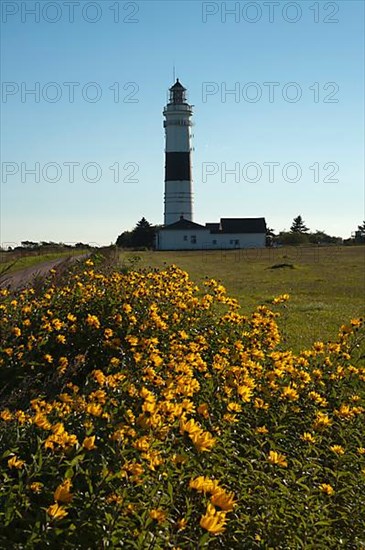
[326,284]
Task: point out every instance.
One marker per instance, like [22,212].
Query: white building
[229,233]
[179,231]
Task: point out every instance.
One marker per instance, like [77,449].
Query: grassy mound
[138,412]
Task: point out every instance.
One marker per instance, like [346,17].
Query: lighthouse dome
[177,93]
[177,86]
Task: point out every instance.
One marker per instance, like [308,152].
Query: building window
[214,242]
[185,237]
[193,239]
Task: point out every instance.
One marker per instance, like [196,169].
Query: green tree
[320,237]
[292,238]
[270,236]
[361,228]
[143,235]
[124,240]
[30,245]
[298,225]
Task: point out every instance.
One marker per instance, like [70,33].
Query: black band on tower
[177,167]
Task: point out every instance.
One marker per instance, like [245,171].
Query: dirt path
[25,277]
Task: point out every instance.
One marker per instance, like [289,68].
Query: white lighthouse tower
[178,176]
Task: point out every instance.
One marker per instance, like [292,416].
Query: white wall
[174,240]
[178,128]
[178,201]
[245,240]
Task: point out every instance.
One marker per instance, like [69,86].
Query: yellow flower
[230,418]
[289,393]
[277,459]
[133,468]
[89,443]
[41,421]
[245,392]
[337,449]
[62,364]
[156,359]
[317,398]
[322,421]
[327,489]
[141,444]
[48,358]
[345,412]
[62,493]
[181,524]
[203,441]
[6,415]
[132,340]
[223,499]
[95,409]
[158,515]
[36,487]
[154,459]
[92,321]
[16,331]
[260,404]
[234,407]
[56,511]
[361,450]
[190,426]
[318,346]
[21,417]
[213,521]
[114,498]
[280,299]
[57,324]
[203,409]
[308,437]
[58,428]
[262,430]
[99,376]
[15,462]
[204,484]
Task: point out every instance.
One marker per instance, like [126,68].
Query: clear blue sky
[324,59]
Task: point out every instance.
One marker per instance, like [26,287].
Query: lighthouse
[178,176]
[179,231]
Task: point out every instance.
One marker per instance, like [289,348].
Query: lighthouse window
[193,239]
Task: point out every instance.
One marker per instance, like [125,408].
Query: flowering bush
[141,412]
